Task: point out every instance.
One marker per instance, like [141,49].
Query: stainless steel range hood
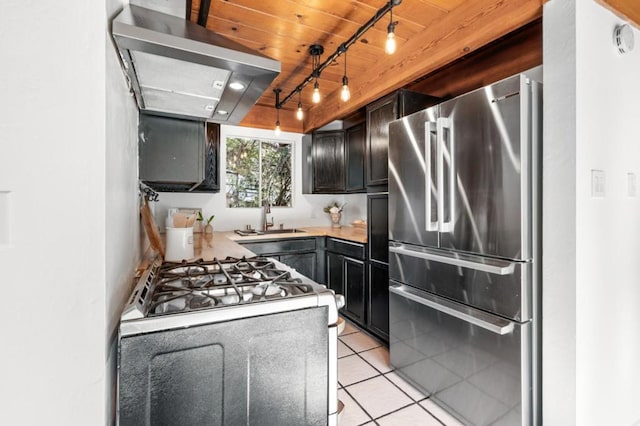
[180,69]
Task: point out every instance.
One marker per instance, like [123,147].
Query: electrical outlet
[598,184]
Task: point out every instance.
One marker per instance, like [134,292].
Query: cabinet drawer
[347,248]
[281,246]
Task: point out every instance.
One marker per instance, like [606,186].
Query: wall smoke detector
[623,38]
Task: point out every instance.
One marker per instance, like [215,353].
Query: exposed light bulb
[299,112]
[278,128]
[345,95]
[390,46]
[316,93]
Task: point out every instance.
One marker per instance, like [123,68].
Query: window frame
[260,139]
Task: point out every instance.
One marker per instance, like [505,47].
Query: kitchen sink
[246,233]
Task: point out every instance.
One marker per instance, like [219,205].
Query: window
[258,170]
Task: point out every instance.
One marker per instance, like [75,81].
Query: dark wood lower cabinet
[299,253]
[354,281]
[346,276]
[335,272]
[304,263]
[378,321]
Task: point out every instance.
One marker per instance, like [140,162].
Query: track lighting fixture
[345,95]
[315,50]
[390,46]
[277,129]
[316,93]
[299,112]
[278,106]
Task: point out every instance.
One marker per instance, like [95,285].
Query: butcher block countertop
[349,233]
[223,244]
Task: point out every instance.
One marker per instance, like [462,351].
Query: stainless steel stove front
[221,363]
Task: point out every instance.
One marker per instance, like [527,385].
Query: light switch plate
[598,184]
[631,185]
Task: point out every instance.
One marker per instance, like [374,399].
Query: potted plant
[208,228]
[335,211]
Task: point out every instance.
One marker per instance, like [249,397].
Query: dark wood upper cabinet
[355,153]
[379,114]
[328,161]
[338,160]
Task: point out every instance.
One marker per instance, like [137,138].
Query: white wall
[306,210]
[600,366]
[608,229]
[559,214]
[52,159]
[122,221]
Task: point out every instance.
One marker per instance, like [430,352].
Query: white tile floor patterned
[373,394]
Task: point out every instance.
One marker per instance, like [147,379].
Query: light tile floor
[372,393]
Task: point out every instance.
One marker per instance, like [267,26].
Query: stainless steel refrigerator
[464,251]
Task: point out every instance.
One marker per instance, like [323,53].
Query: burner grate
[191,286]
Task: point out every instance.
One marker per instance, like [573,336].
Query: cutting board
[151,228]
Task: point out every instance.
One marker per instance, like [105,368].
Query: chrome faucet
[266,208]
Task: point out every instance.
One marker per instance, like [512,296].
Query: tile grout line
[359,405]
[415,401]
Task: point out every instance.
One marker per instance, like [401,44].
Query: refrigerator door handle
[470,315]
[444,225]
[497,267]
[429,128]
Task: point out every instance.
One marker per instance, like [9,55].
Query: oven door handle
[467,314]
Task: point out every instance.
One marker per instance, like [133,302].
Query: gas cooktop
[183,287]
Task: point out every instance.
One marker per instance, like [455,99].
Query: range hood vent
[180,69]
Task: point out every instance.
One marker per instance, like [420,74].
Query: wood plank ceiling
[442,30]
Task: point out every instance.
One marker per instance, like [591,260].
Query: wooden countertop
[350,233]
[223,244]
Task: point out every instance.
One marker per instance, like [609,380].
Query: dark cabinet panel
[328,161]
[355,157]
[335,275]
[378,224]
[298,253]
[346,274]
[304,263]
[379,114]
[354,281]
[378,321]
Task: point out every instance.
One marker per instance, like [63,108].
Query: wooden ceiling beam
[627,9]
[465,29]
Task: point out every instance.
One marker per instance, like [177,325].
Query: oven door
[266,370]
[474,364]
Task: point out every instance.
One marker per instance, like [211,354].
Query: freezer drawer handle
[493,324]
[507,269]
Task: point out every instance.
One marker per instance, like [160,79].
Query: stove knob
[339,301]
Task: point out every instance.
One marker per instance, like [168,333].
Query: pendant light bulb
[277,131]
[345,95]
[299,112]
[390,46]
[316,93]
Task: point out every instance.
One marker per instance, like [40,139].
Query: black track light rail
[340,50]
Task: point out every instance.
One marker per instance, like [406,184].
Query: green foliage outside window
[258,170]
